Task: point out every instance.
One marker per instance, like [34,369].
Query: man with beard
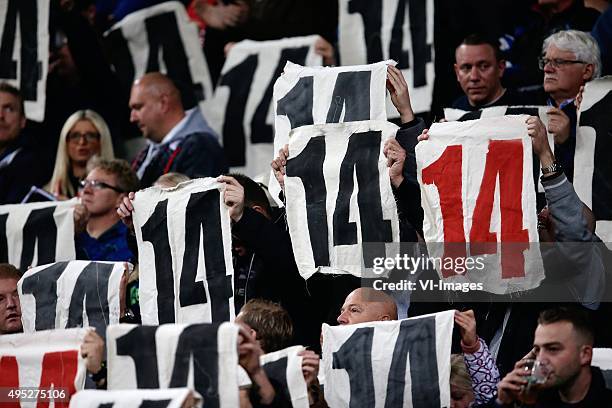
[564,345]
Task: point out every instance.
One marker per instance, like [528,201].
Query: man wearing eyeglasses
[570,59]
[104,236]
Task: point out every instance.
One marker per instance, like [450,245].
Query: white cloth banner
[37,234]
[32,361]
[402,363]
[339,196]
[306,96]
[592,164]
[477,176]
[241,110]
[172,398]
[284,367]
[184,247]
[452,114]
[24,61]
[71,294]
[602,358]
[201,356]
[373,30]
[160,38]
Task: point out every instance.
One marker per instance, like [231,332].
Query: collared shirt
[562,105]
[168,139]
[6,160]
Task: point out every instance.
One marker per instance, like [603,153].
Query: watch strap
[553,168]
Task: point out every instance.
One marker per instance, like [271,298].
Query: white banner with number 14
[478,198]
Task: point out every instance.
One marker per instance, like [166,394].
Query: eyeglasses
[556,62]
[89,137]
[98,185]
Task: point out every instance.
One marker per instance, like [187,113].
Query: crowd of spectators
[518,53]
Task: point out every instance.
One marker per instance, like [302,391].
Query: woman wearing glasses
[84,135]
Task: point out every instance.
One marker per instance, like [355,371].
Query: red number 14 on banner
[504,160]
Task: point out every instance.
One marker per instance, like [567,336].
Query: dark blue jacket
[110,246]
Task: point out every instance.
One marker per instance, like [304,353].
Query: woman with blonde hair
[84,135]
[462,394]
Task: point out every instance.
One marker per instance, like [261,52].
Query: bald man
[179,141]
[367,305]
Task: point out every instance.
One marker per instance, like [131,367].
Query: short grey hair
[582,44]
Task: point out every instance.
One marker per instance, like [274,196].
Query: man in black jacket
[563,345]
[278,278]
[479,68]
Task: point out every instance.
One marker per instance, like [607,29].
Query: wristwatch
[553,168]
[99,378]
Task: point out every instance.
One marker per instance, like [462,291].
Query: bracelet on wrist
[471,349]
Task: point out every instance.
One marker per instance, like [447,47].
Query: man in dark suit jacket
[20,167]
[179,141]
